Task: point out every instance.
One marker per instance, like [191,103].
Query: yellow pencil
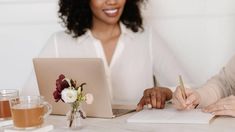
[182,87]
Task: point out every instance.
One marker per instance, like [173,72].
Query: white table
[119,124]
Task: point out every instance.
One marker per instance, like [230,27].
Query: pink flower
[89,98]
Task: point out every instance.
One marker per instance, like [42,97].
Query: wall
[25,25]
[199,32]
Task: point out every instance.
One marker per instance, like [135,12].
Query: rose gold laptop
[88,70]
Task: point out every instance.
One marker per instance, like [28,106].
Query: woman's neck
[108,35]
[105,31]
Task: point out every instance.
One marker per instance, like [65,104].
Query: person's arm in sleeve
[211,95]
[219,86]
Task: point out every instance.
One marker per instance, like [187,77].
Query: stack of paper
[171,115]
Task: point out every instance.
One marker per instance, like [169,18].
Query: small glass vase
[74,120]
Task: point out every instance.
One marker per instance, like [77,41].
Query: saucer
[4,123]
[44,128]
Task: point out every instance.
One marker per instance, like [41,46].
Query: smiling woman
[113,30]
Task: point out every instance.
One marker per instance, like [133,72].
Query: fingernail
[149,106]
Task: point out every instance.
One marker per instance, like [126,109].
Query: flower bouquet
[69,92]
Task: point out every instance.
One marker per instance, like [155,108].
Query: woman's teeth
[111,11]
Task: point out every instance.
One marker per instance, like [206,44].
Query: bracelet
[196,106]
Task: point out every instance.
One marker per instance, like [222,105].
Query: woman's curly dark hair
[76,15]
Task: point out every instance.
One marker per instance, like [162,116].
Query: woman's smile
[112,12]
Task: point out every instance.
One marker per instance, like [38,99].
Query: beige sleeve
[219,86]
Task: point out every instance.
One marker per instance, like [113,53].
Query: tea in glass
[5,95]
[28,111]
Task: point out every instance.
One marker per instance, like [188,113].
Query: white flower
[69,95]
[89,98]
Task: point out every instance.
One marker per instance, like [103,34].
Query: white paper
[171,115]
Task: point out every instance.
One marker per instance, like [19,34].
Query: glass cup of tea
[29,111]
[5,96]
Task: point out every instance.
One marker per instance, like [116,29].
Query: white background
[200,32]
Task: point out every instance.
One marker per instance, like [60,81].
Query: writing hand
[193,99]
[225,106]
[155,98]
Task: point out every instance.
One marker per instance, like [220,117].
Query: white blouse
[136,59]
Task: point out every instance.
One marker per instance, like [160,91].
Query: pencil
[182,87]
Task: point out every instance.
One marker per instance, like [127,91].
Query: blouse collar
[124,32]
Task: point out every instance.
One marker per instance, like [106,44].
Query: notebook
[171,115]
